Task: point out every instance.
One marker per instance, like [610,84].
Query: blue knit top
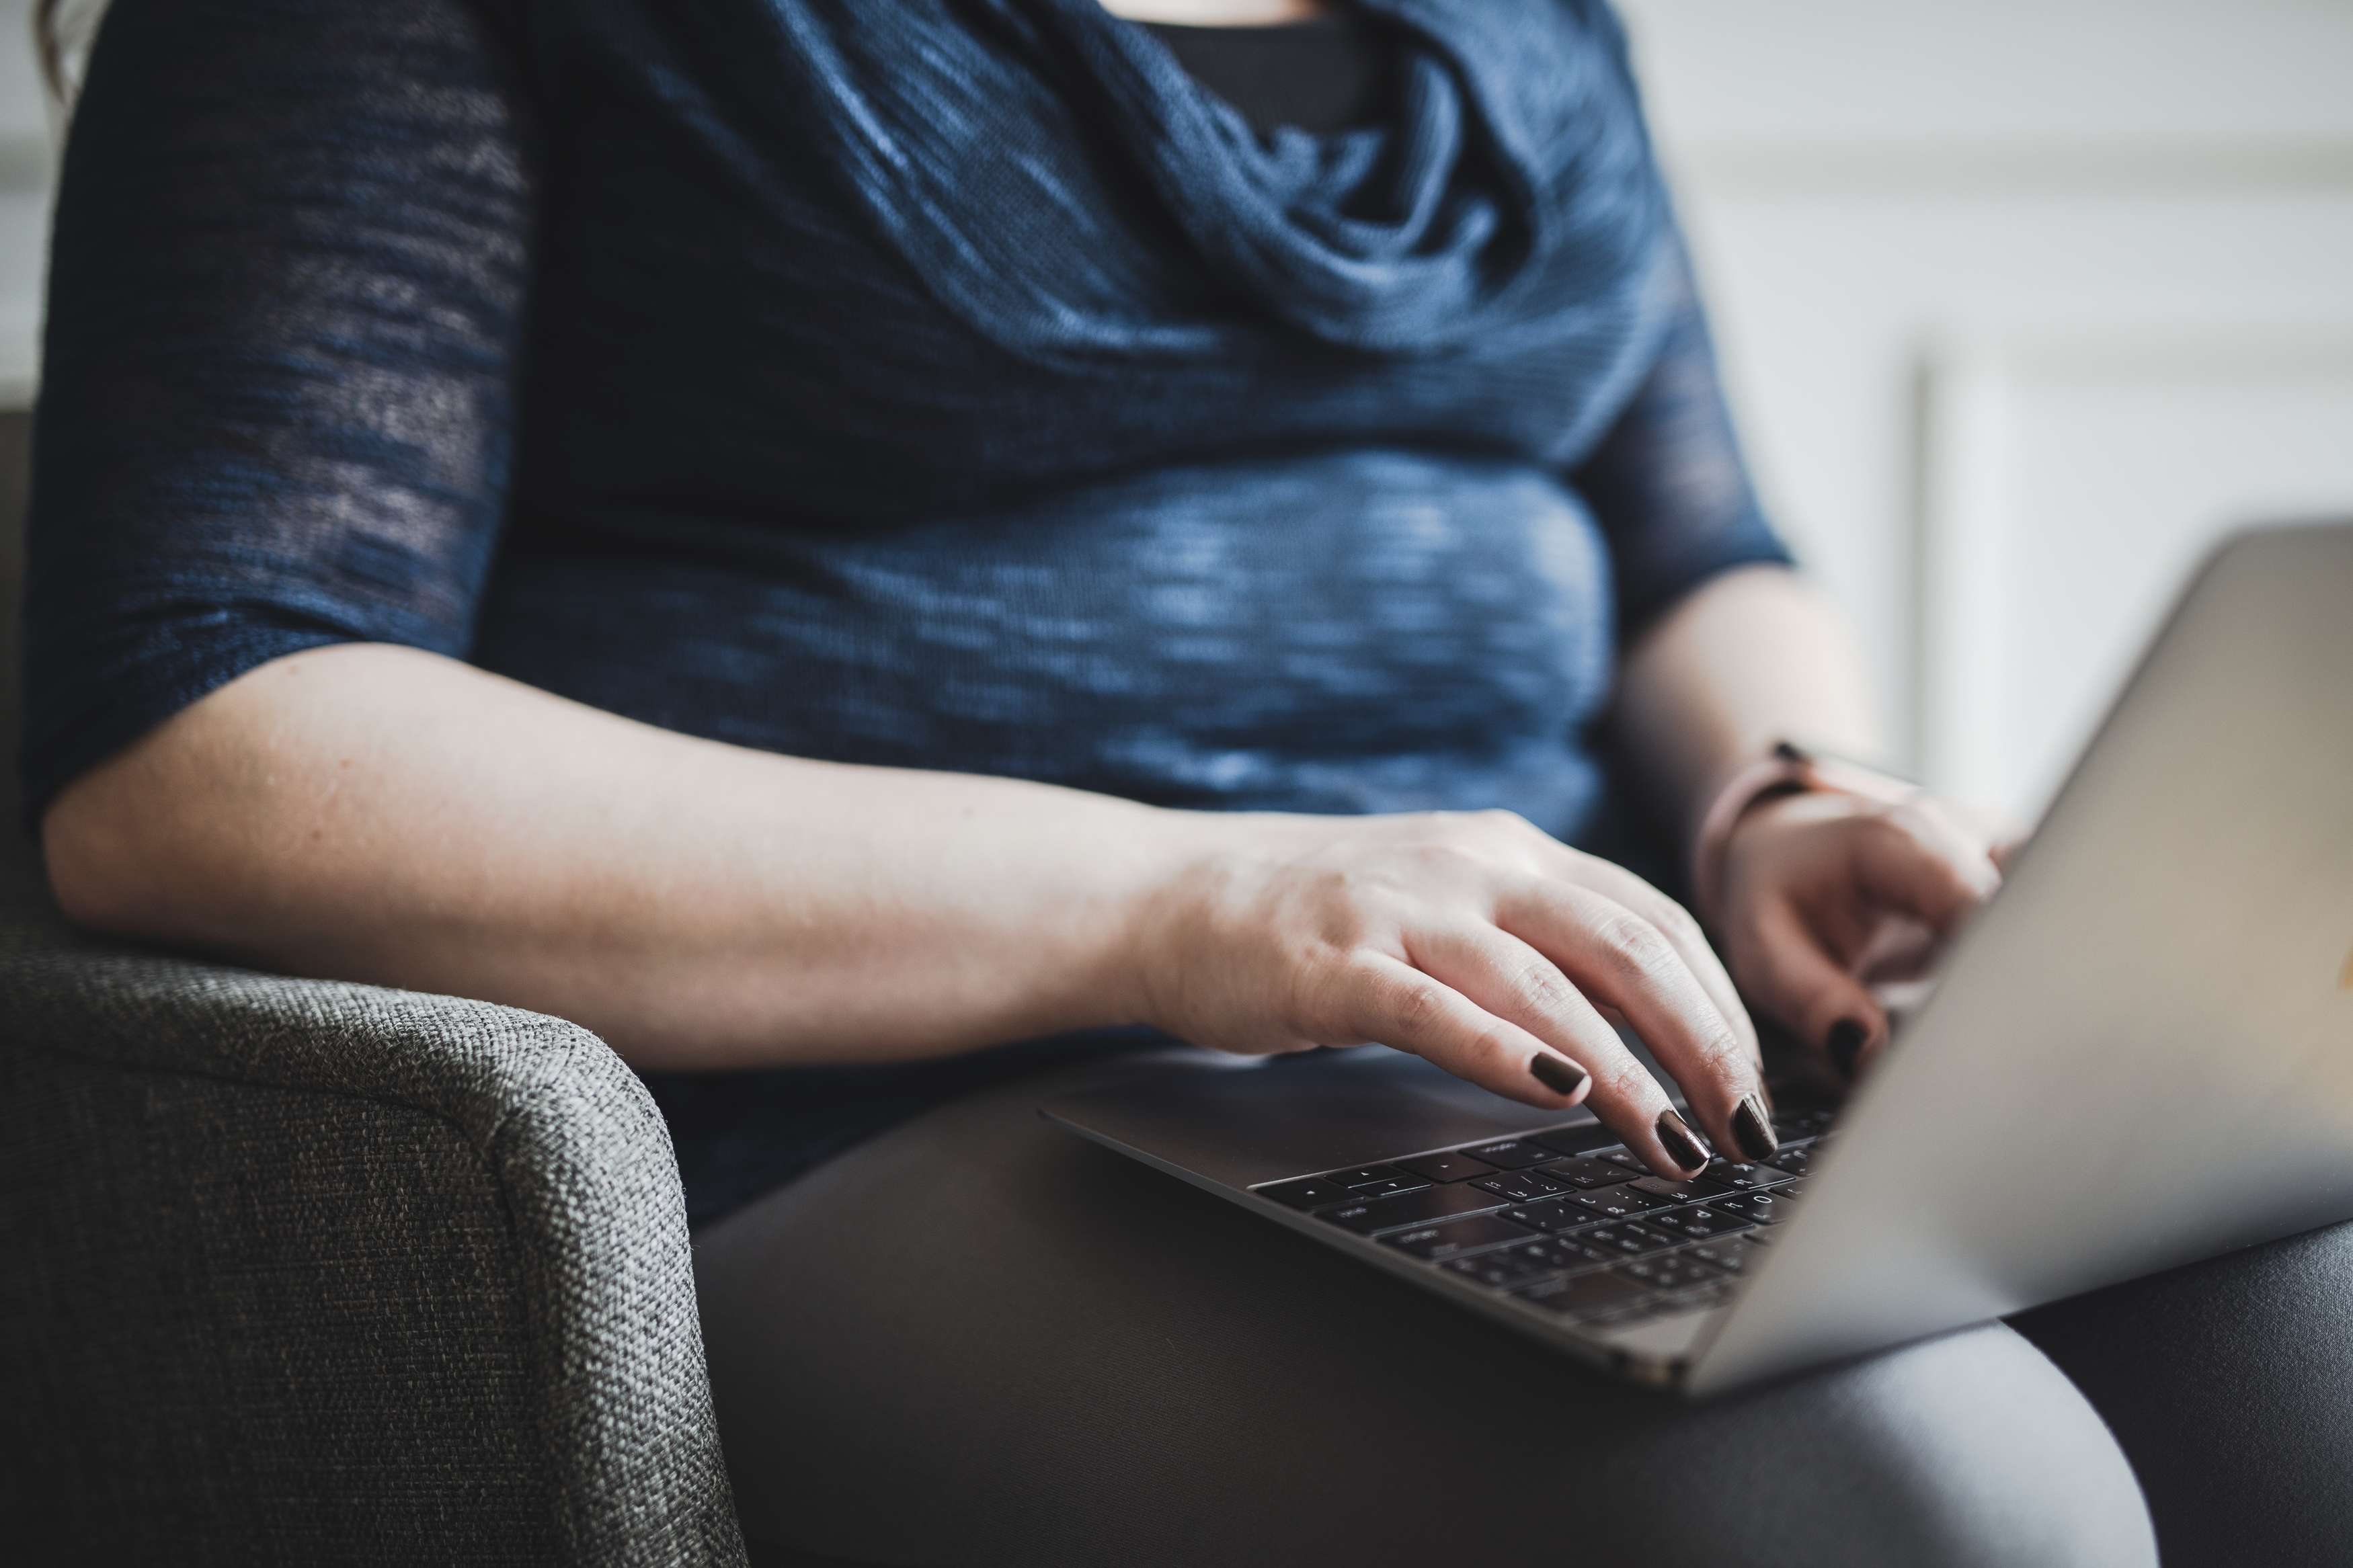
[941,383]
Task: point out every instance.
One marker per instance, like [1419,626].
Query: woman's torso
[905,415]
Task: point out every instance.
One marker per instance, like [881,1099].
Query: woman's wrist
[1165,893]
[1787,769]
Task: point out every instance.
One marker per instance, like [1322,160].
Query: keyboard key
[1620,1202]
[1745,1178]
[1591,1174]
[1701,1223]
[1439,1242]
[1627,1240]
[1764,1208]
[1561,1254]
[1447,1167]
[1623,1159]
[1668,1273]
[1389,1187]
[1511,1155]
[1733,1253]
[1641,1312]
[1697,1298]
[1690,1190]
[1574,1140]
[1501,1270]
[1793,1125]
[1312,1192]
[1796,1162]
[1520,1186]
[1424,1207]
[1548,1218]
[1365,1175]
[1582,1293]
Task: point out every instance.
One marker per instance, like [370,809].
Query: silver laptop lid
[2142,1054]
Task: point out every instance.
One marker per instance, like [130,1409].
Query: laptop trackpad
[1294,1114]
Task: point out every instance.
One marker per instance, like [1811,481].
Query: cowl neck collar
[1057,179]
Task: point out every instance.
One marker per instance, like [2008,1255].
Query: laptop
[2138,1054]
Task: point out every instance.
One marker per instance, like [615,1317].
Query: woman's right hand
[1476,941]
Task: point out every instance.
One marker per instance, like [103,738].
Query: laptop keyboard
[1571,1222]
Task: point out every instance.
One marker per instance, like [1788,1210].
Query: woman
[825,541]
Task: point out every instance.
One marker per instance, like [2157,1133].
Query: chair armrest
[308,1271]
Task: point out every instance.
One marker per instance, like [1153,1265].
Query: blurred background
[2022,303]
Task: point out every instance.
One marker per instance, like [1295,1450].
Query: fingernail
[1752,1128]
[1845,1042]
[1686,1151]
[1557,1073]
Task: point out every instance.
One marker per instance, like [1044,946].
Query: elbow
[104,870]
[144,846]
[205,832]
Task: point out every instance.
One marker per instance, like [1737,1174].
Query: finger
[1915,862]
[1682,928]
[1415,1011]
[1405,1007]
[1798,981]
[1618,958]
[1512,979]
[1994,831]
[1506,977]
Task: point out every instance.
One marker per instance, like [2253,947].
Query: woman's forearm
[1754,657]
[379,813]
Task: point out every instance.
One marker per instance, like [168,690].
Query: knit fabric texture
[941,385]
[955,387]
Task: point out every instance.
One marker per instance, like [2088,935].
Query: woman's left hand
[1825,894]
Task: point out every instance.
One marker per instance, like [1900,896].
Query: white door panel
[1970,267]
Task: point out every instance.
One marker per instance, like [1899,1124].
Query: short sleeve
[1668,484]
[286,287]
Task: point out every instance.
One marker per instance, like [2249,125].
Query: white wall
[25,173]
[2022,302]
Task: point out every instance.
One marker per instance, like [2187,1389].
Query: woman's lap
[979,1339]
[2230,1386]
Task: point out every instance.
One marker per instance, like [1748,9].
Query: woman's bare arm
[378,814]
[1754,657]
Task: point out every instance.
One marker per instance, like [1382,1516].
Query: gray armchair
[299,1272]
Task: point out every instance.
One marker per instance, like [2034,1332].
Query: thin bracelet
[1789,769]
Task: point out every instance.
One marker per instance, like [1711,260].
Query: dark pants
[980,1340]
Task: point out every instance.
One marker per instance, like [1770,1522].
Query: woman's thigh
[980,1340]
[2230,1384]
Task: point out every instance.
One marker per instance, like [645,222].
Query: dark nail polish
[1845,1043]
[1752,1128]
[1686,1151]
[1557,1073]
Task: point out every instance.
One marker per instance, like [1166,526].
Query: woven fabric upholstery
[304,1272]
